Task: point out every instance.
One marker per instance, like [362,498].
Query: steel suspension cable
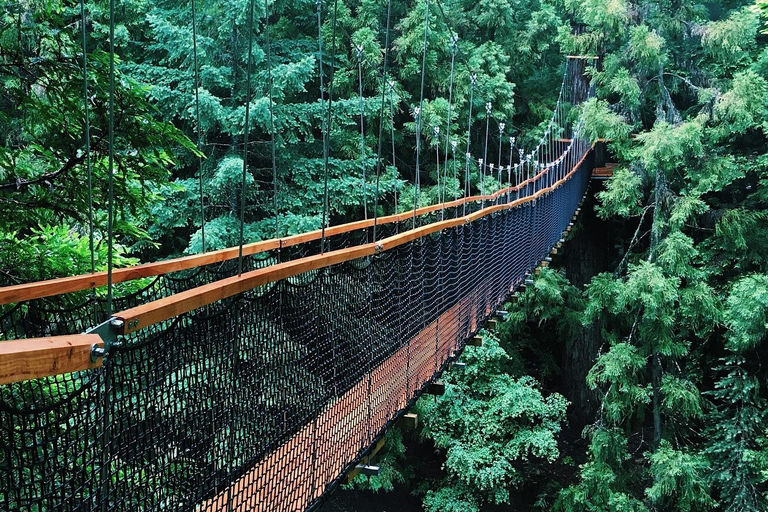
[111,164]
[384,83]
[322,114]
[484,160]
[272,123]
[391,87]
[246,130]
[359,53]
[197,118]
[105,421]
[472,83]
[417,192]
[328,127]
[454,41]
[87,137]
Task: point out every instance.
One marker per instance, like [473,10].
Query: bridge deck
[604,173]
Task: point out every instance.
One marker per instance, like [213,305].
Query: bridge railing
[256,392]
[74,304]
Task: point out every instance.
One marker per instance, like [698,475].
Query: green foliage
[492,426]
[52,251]
[730,41]
[746,311]
[622,195]
[618,371]
[678,480]
[605,481]
[600,122]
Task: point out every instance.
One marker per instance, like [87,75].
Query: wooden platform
[603,173]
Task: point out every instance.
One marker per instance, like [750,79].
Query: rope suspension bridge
[257,376]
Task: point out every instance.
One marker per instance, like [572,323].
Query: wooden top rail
[41,357]
[48,288]
[34,358]
[166,308]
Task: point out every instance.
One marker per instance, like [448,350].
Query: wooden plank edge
[157,311]
[50,287]
[35,358]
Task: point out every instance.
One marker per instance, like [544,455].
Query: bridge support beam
[365,467]
[437,388]
[409,421]
[475,341]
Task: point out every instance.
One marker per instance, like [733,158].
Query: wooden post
[408,421]
[437,388]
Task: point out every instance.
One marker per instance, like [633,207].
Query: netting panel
[261,401]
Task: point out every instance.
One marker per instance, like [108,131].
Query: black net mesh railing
[76,312]
[261,401]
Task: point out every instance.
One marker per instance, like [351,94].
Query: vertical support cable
[502,125]
[509,167]
[454,145]
[87,137]
[472,82]
[454,42]
[418,112]
[391,86]
[359,53]
[197,118]
[272,124]
[323,115]
[381,123]
[111,165]
[105,460]
[436,130]
[488,108]
[328,128]
[246,130]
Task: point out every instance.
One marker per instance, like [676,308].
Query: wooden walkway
[298,471]
[604,173]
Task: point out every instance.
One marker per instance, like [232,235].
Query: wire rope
[359,53]
[246,129]
[198,126]
[275,188]
[418,114]
[111,162]
[384,84]
[323,115]
[87,137]
[329,127]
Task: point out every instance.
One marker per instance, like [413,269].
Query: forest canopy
[647,359]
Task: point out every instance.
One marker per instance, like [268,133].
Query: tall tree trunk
[656,384]
[656,369]
[585,255]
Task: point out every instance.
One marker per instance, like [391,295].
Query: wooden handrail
[34,358]
[166,308]
[51,287]
[41,357]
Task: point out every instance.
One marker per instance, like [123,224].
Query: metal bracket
[108,332]
[368,470]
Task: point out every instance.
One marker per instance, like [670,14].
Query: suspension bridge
[256,377]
